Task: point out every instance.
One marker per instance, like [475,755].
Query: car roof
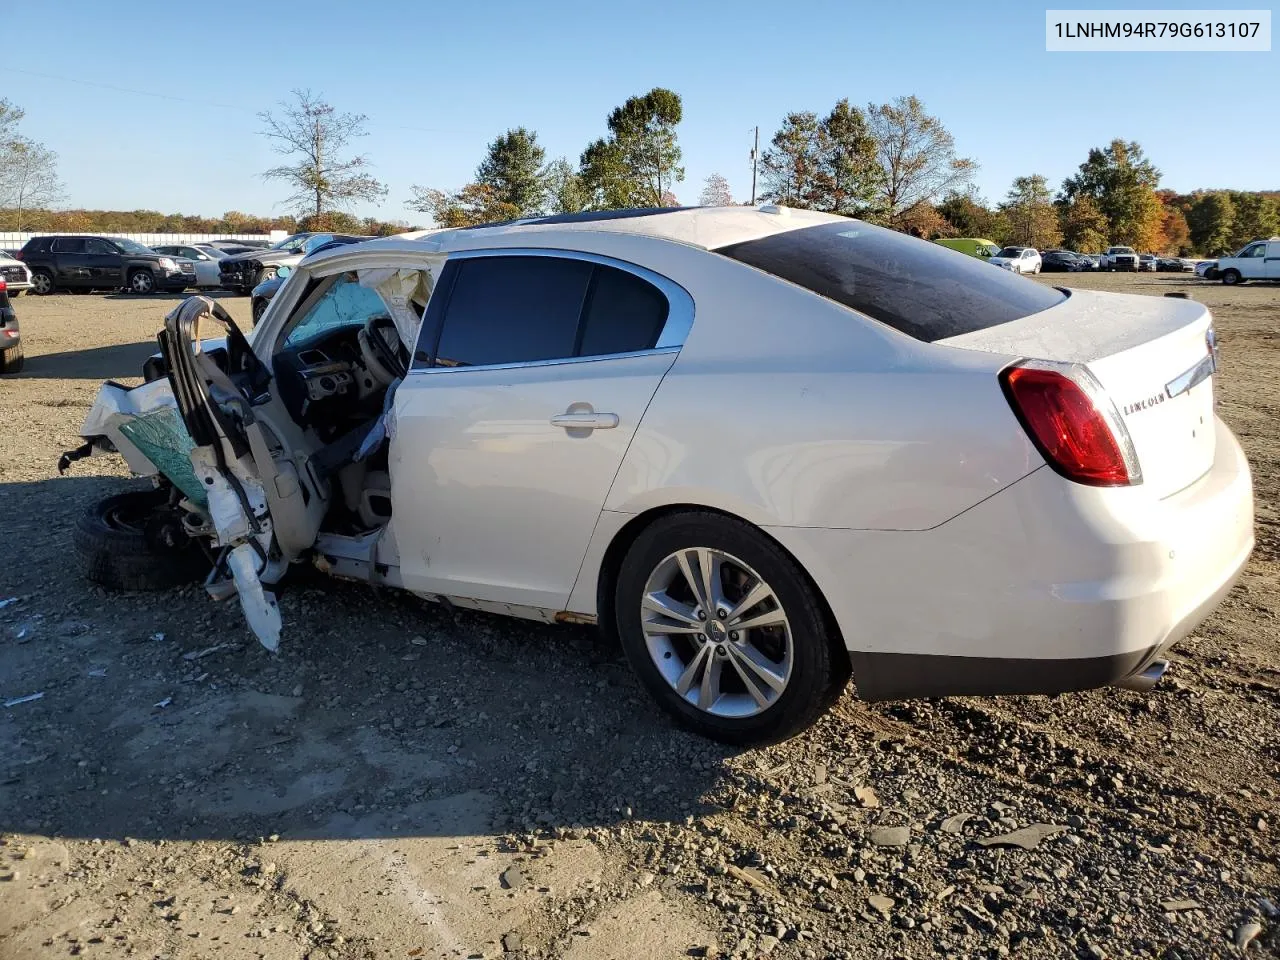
[708,228]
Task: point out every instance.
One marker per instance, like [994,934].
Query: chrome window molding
[520,365]
[680,307]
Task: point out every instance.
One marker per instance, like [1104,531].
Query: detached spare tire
[135,541]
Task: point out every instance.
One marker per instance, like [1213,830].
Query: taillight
[1072,422]
[3,286]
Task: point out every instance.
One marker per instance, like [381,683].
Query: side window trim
[680,309]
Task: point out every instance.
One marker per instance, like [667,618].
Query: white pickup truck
[1119,258]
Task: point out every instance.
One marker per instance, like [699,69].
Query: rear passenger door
[531,374]
[70,262]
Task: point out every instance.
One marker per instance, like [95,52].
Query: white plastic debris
[5,603]
[27,699]
[98,672]
[164,703]
[201,654]
[158,636]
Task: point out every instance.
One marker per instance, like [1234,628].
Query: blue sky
[439,80]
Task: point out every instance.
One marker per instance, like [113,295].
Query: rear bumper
[1046,587]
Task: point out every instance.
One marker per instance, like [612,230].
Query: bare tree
[28,177]
[716,192]
[917,157]
[315,133]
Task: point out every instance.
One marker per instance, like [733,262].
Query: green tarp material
[163,439]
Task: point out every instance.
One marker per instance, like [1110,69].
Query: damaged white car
[768,449]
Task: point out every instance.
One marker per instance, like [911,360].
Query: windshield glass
[919,288]
[1122,249]
[290,243]
[131,246]
[1010,252]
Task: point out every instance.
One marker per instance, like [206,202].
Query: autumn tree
[967,215]
[828,164]
[1122,182]
[28,170]
[790,168]
[1084,228]
[1256,218]
[474,204]
[566,192]
[1033,220]
[916,155]
[849,172]
[1211,219]
[716,192]
[513,171]
[639,161]
[322,177]
[1175,234]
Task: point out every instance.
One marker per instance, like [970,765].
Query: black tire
[820,669]
[1231,277]
[259,308]
[265,274]
[134,541]
[141,282]
[11,360]
[43,286]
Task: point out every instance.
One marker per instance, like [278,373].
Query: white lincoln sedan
[768,449]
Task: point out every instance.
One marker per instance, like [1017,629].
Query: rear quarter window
[922,289]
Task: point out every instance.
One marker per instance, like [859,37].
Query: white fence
[12,241]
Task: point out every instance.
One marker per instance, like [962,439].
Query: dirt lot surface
[404,782]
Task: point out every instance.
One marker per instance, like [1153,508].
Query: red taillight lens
[3,286]
[1073,424]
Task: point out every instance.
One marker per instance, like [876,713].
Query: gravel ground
[405,782]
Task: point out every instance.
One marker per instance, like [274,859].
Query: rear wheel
[725,631]
[11,360]
[41,282]
[1231,277]
[135,541]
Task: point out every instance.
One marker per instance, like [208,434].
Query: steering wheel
[384,355]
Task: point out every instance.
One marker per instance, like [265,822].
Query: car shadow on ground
[381,715]
[116,362]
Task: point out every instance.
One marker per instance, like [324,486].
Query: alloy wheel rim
[141,283]
[41,283]
[717,632]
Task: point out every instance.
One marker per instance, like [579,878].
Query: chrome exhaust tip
[1148,678]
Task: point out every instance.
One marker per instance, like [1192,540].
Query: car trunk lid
[1153,356]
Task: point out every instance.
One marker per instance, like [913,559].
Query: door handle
[585,421]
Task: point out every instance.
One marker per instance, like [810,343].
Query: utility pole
[755,155]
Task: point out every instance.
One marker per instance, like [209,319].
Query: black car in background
[1062,261]
[10,338]
[87,263]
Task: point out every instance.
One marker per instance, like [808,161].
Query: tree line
[893,164]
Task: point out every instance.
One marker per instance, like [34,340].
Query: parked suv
[245,271]
[85,263]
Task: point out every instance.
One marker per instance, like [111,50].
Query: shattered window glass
[162,438]
[344,304]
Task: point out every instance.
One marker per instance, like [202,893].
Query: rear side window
[513,310]
[527,308]
[624,313]
[919,288]
[68,245]
[99,246]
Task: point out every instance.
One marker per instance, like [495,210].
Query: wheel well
[611,564]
